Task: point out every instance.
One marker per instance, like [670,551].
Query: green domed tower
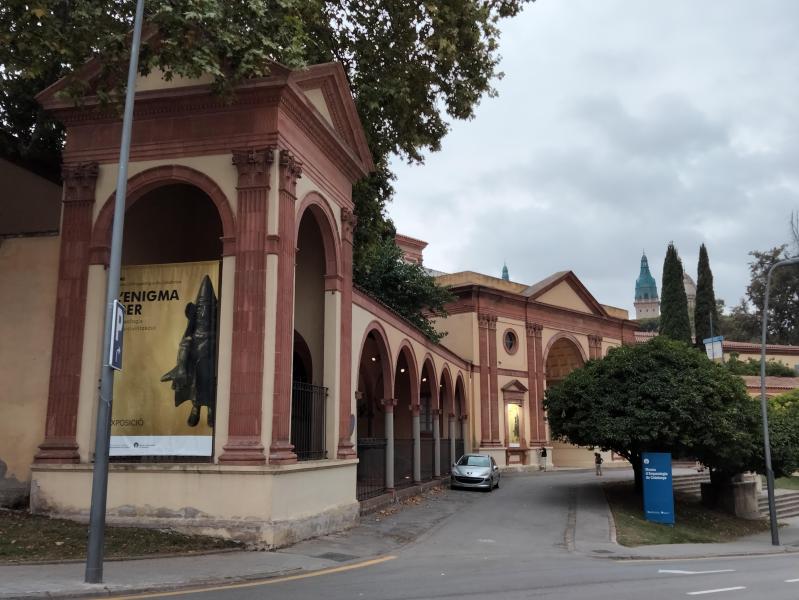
[505,275]
[647,303]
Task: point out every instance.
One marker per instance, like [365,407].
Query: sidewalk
[378,534]
[594,534]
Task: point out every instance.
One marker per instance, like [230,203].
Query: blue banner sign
[658,492]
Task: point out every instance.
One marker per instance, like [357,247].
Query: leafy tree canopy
[751,366]
[412,66]
[661,396]
[404,287]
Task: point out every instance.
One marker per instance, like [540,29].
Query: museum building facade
[262,396]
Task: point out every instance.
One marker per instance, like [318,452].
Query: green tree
[412,66]
[404,287]
[650,324]
[674,321]
[751,366]
[741,324]
[705,310]
[783,434]
[783,327]
[661,396]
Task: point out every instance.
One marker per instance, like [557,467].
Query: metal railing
[371,471]
[426,463]
[308,420]
[446,459]
[403,462]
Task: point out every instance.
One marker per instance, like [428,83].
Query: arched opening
[428,403]
[446,397]
[169,284]
[373,391]
[563,357]
[309,396]
[172,224]
[406,392]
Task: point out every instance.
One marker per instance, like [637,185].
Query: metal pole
[772,509]
[94,558]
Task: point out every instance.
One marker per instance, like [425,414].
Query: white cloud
[620,125]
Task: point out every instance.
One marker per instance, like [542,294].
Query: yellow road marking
[232,586]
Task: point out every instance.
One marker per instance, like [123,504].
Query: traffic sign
[117,327]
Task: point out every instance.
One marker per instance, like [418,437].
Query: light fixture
[402,370]
[424,379]
[374,359]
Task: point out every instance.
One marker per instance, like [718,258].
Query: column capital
[388,404]
[487,321]
[349,221]
[436,412]
[595,340]
[290,172]
[80,180]
[253,165]
[534,329]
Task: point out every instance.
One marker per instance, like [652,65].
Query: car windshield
[474,461]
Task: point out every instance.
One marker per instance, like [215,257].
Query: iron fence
[308,420]
[403,462]
[446,459]
[371,471]
[426,466]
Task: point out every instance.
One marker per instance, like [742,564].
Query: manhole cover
[337,556]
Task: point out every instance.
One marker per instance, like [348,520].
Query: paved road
[516,542]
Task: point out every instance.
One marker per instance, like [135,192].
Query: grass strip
[694,522]
[25,537]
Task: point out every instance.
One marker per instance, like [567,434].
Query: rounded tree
[661,396]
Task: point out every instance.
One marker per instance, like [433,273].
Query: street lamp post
[772,509]
[95,550]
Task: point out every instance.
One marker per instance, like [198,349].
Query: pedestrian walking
[598,463]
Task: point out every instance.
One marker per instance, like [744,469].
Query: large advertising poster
[165,395]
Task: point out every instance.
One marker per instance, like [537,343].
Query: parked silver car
[475,471]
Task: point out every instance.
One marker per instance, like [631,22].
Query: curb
[72,561]
[784,550]
[105,592]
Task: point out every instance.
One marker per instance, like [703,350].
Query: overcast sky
[620,125]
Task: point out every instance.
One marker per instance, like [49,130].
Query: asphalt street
[514,543]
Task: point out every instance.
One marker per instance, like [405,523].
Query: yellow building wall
[28,281]
[461,337]
[518,360]
[564,296]
[790,360]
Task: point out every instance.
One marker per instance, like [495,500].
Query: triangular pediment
[326,88]
[565,290]
[514,386]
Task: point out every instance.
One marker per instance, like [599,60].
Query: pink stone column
[244,446]
[60,445]
[345,445]
[485,401]
[494,382]
[281,450]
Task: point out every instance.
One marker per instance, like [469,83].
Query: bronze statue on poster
[194,376]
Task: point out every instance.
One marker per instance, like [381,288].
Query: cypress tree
[705,308]
[674,321]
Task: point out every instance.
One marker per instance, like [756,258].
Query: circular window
[510,341]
